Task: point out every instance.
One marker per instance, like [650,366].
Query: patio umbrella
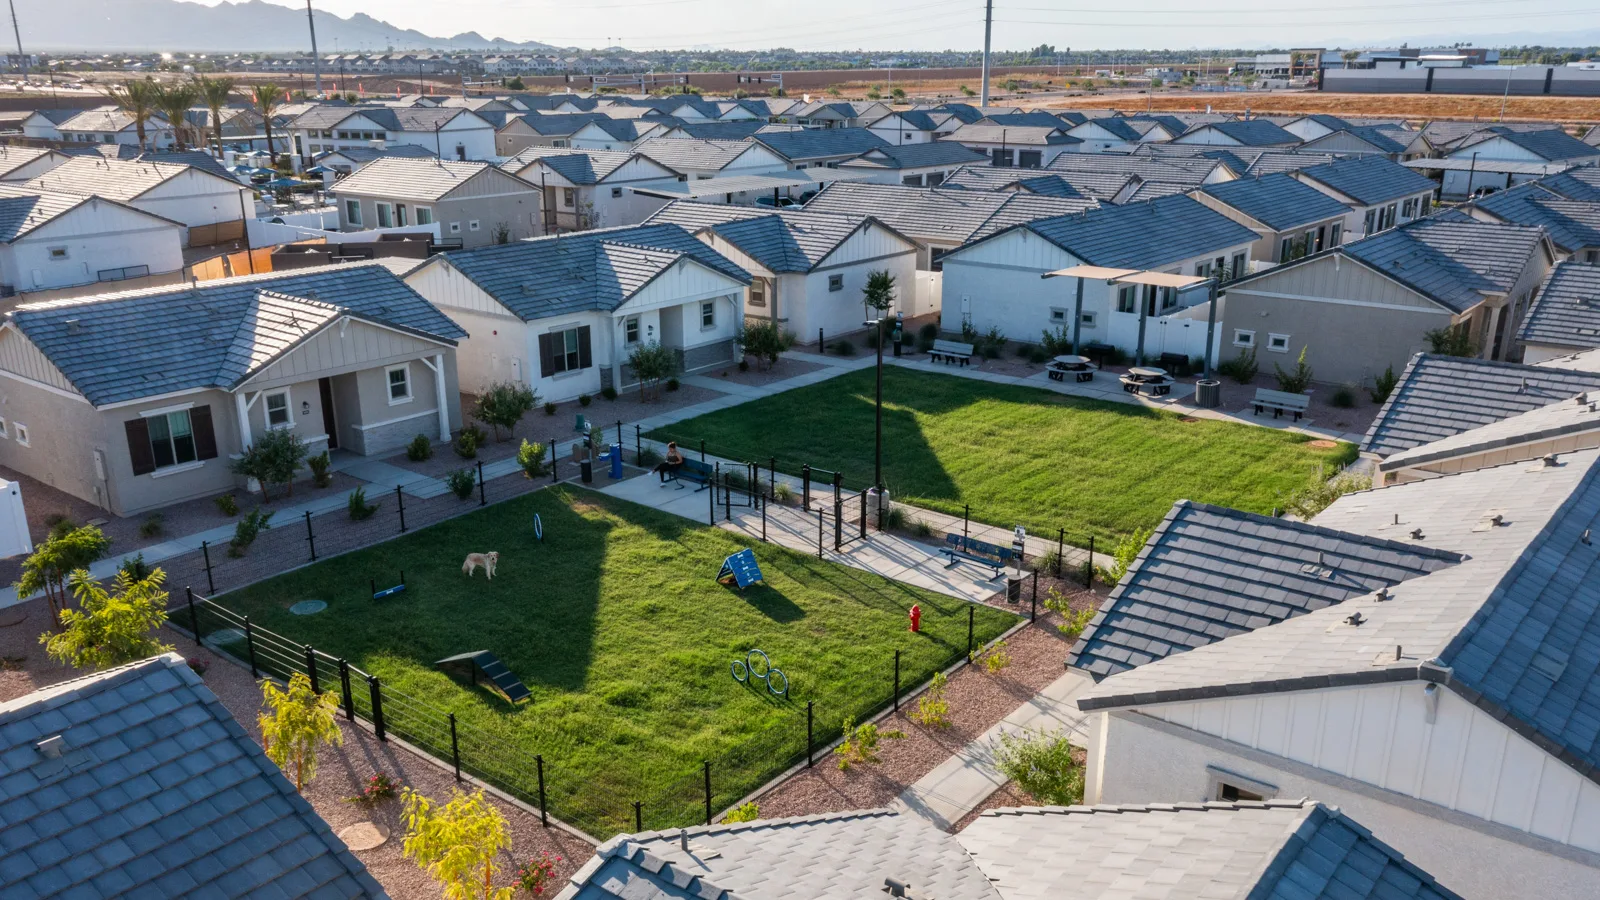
[282,183]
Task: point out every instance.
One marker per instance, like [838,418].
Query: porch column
[1146,298]
[242,409]
[1077,316]
[440,393]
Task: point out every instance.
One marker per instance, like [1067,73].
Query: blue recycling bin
[616,460]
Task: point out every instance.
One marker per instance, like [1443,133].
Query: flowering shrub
[536,874]
[379,787]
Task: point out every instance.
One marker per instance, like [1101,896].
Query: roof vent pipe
[1416,534]
[1382,595]
[1355,618]
[1585,538]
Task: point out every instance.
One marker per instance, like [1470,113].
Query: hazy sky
[958,24]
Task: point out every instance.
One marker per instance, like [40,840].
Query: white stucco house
[211,207]
[590,188]
[50,240]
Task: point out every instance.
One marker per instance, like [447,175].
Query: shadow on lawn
[770,602]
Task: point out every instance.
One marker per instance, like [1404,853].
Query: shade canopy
[1098,273]
[1129,276]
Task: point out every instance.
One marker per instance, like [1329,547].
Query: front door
[329,425]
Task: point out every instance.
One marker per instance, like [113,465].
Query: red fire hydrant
[916,618]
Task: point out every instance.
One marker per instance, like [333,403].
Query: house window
[569,197]
[935,179]
[758,293]
[1127,298]
[1231,787]
[1371,221]
[455,227]
[835,283]
[21,431]
[171,439]
[1030,159]
[385,215]
[400,214]
[1169,298]
[424,216]
[911,180]
[1087,319]
[1237,269]
[1243,338]
[352,212]
[1057,314]
[565,351]
[630,329]
[616,193]
[1335,232]
[1409,208]
[1000,157]
[472,225]
[708,314]
[1278,343]
[399,378]
[278,410]
[58,253]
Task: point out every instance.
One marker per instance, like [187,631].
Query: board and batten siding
[341,348]
[20,356]
[195,198]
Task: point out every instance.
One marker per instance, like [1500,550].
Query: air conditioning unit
[378,144]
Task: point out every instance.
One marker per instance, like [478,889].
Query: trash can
[586,467]
[875,503]
[1013,589]
[1208,393]
[616,460]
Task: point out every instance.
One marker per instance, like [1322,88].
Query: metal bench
[692,470]
[951,351]
[1280,402]
[983,553]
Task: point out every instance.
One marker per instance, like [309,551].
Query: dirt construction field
[1411,106]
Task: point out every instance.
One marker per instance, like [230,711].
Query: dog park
[625,641]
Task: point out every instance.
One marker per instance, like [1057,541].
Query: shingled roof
[24,209]
[1551,144]
[1571,224]
[1142,235]
[1277,201]
[1527,436]
[136,782]
[1369,180]
[1208,573]
[928,214]
[418,179]
[1438,396]
[1450,258]
[803,144]
[1581,183]
[782,241]
[1566,311]
[988,178]
[116,179]
[141,343]
[911,156]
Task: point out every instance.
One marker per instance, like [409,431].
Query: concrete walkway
[390,476]
[959,784]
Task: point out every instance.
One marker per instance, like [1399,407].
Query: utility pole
[316,59]
[988,28]
[22,60]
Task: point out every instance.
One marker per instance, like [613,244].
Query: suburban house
[1292,218]
[539,130]
[1239,133]
[808,269]
[712,131]
[572,307]
[1381,194]
[590,188]
[1367,306]
[1023,146]
[1105,187]
[450,132]
[1487,149]
[110,125]
[1108,135]
[350,160]
[212,208]
[1420,655]
[347,356]
[698,159]
[1561,427]
[50,240]
[1181,173]
[18,163]
[44,124]
[107,764]
[805,148]
[1279,849]
[1154,128]
[1565,316]
[1572,225]
[475,203]
[618,134]
[838,114]
[914,126]
[997,281]
[918,165]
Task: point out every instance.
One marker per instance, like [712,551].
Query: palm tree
[214,93]
[267,98]
[175,100]
[138,100]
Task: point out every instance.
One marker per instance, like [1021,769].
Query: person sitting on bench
[672,463]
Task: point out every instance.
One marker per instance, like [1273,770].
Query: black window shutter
[547,355]
[584,359]
[205,436]
[139,452]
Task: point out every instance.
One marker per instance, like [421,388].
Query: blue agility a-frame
[741,569]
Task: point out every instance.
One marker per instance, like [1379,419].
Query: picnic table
[1140,378]
[1078,365]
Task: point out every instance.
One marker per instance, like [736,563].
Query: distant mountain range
[250,27]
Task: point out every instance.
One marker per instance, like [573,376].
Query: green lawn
[1017,455]
[617,626]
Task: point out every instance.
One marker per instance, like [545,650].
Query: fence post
[619,435]
[455,748]
[863,523]
[544,814]
[972,612]
[702,449]
[250,646]
[1061,546]
[838,487]
[376,691]
[810,742]
[772,478]
[638,816]
[727,497]
[966,513]
[1088,570]
[822,343]
[897,681]
[763,502]
[711,499]
[716,479]
[483,500]
[838,526]
[1036,585]
[344,688]
[805,487]
[311,670]
[194,617]
[311,537]
[555,462]
[708,792]
[205,551]
[819,534]
[1033,605]
[400,502]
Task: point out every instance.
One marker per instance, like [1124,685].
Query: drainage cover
[308,607]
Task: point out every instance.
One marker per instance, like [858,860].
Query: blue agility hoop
[538,527]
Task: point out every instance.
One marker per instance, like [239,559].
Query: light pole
[877,411]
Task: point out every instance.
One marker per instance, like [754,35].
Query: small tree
[1041,765]
[651,364]
[968,92]
[933,710]
[503,404]
[300,722]
[457,843]
[1127,551]
[1451,340]
[878,295]
[765,342]
[516,84]
[115,626]
[1296,380]
[61,554]
[1383,385]
[1319,492]
[860,744]
[272,459]
[531,458]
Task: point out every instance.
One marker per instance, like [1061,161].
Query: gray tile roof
[1370,179]
[679,154]
[107,118]
[911,156]
[1551,144]
[1562,418]
[1438,396]
[1451,258]
[115,179]
[15,157]
[133,344]
[1277,850]
[931,214]
[413,179]
[1566,311]
[557,125]
[577,166]
[1582,183]
[834,856]
[1121,128]
[1277,201]
[1571,224]
[1208,573]
[803,144]
[22,209]
[364,155]
[1386,139]
[719,131]
[1034,118]
[1048,184]
[630,130]
[588,270]
[1143,235]
[1176,170]
[981,132]
[1271,161]
[1252,132]
[783,241]
[157,792]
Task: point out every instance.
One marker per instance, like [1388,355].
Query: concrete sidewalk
[959,784]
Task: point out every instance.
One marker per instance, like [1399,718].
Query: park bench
[692,470]
[1280,402]
[1176,363]
[973,550]
[951,351]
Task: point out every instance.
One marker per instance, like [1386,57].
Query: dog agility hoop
[745,671]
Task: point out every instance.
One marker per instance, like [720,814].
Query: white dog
[487,560]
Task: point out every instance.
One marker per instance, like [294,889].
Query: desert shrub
[1057,342]
[860,744]
[1037,356]
[672,384]
[461,482]
[134,567]
[503,404]
[1319,492]
[152,526]
[466,445]
[1383,385]
[360,509]
[933,709]
[1040,763]
[227,504]
[782,493]
[745,812]
[1241,368]
[1123,556]
[921,528]
[322,469]
[549,408]
[995,659]
[842,348]
[1297,379]
[584,400]
[928,332]
[1451,341]
[272,459]
[247,529]
[531,458]
[1344,396]
[648,458]
[419,449]
[608,392]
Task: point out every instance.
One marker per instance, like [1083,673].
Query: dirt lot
[1417,106]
